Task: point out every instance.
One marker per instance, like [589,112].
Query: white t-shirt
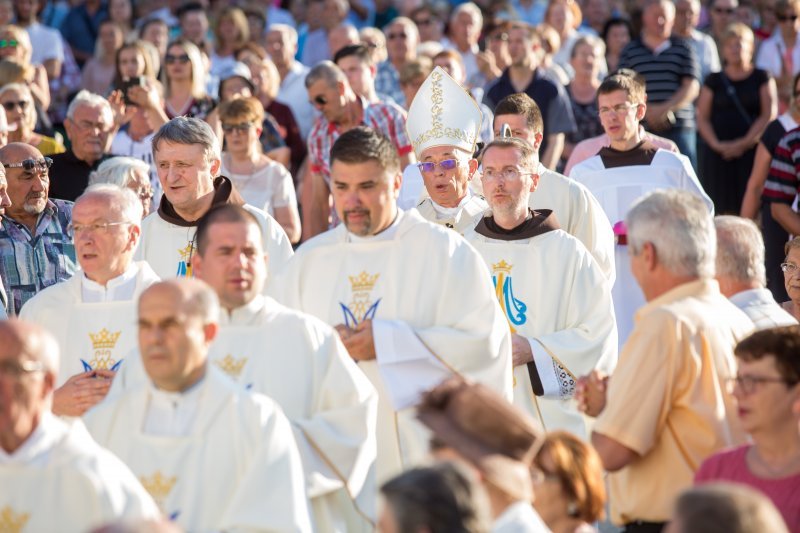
[266,189]
[47,43]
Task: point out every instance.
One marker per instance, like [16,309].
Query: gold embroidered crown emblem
[186,253]
[158,486]
[104,339]
[502,266]
[231,366]
[11,522]
[363,282]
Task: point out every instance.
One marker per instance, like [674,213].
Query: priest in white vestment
[187,156]
[214,456]
[625,171]
[553,292]
[92,314]
[53,476]
[412,301]
[298,361]
[577,210]
[444,122]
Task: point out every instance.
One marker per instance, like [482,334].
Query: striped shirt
[387,81]
[664,70]
[782,184]
[32,262]
[387,119]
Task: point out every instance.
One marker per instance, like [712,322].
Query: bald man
[35,244]
[39,453]
[214,456]
[90,313]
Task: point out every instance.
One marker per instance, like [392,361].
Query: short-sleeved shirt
[47,43]
[731,465]
[29,263]
[80,29]
[667,400]
[549,95]
[782,183]
[664,70]
[387,81]
[387,119]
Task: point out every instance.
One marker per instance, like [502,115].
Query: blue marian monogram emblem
[514,309]
[361,308]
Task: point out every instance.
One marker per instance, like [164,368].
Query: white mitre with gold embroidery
[443,114]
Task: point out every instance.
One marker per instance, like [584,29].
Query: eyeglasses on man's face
[749,384]
[427,167]
[508,174]
[83,229]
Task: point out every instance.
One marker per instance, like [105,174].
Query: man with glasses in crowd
[90,314]
[90,130]
[402,38]
[624,172]
[35,244]
[342,109]
[561,327]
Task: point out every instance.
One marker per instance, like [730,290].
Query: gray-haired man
[187,157]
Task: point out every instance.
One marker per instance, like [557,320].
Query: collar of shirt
[450,212]
[117,289]
[386,235]
[662,47]
[752,296]
[245,314]
[172,414]
[691,289]
[36,448]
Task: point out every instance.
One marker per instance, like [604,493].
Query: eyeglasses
[169,59]
[724,10]
[241,128]
[749,384]
[320,100]
[88,125]
[393,36]
[31,165]
[429,166]
[10,106]
[507,174]
[789,268]
[77,229]
[786,18]
[17,369]
[619,109]
[8,43]
[423,22]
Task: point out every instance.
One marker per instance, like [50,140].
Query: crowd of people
[405,266]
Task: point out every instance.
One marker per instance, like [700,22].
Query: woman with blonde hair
[17,100]
[184,81]
[133,60]
[231,32]
[15,44]
[569,486]
[261,181]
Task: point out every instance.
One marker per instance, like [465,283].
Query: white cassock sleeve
[592,228]
[589,338]
[337,442]
[692,184]
[272,492]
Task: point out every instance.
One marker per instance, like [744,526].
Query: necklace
[776,472]
[247,176]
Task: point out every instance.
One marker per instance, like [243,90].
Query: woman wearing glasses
[791,277]
[17,100]
[128,173]
[185,82]
[15,44]
[262,182]
[767,393]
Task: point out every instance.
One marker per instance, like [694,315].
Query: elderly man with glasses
[36,248]
[38,450]
[90,315]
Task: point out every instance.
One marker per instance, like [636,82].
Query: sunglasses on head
[169,59]
[8,43]
[10,106]
[29,165]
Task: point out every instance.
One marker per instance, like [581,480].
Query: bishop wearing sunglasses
[35,244]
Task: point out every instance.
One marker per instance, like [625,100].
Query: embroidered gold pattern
[231,366]
[11,522]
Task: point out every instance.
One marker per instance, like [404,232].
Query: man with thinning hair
[342,109]
[358,277]
[741,272]
[54,476]
[214,456]
[90,314]
[187,156]
[561,327]
[667,406]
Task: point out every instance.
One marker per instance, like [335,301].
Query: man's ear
[641,110]
[537,141]
[473,167]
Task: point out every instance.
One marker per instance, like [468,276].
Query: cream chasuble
[169,248]
[61,480]
[411,283]
[460,218]
[299,362]
[617,187]
[91,336]
[553,293]
[578,213]
[237,469]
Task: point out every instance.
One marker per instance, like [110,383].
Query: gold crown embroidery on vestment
[11,522]
[502,266]
[363,282]
[158,486]
[231,366]
[104,339]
